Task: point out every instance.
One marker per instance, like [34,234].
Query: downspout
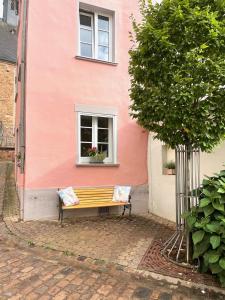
[23,98]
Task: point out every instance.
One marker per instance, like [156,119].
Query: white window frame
[112,158]
[87,28]
[94,15]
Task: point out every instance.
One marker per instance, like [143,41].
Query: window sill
[96,60]
[97,165]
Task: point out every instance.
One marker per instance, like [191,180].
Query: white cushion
[68,196]
[121,193]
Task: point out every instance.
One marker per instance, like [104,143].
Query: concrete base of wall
[43,204]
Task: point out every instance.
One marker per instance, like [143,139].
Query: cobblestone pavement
[35,273]
[88,265]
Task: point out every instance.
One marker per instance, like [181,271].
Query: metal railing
[178,247]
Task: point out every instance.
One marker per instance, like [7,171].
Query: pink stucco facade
[57,81]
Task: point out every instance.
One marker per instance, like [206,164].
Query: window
[96,35]
[96,131]
[14,5]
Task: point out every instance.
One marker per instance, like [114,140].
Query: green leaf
[222,173]
[222,263]
[215,241]
[213,258]
[218,216]
[221,190]
[190,221]
[207,193]
[204,46]
[222,278]
[198,236]
[204,202]
[208,210]
[205,182]
[215,268]
[202,222]
[201,247]
[216,204]
[213,227]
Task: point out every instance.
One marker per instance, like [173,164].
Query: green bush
[170,165]
[207,225]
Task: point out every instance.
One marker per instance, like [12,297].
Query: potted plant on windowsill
[96,156]
[169,168]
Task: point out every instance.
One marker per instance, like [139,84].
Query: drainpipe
[23,97]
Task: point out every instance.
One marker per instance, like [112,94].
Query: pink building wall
[55,82]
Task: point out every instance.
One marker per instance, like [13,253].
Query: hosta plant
[207,225]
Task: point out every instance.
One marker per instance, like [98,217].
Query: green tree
[177,68]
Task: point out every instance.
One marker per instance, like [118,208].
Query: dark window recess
[85,20]
[14,5]
[84,149]
[86,121]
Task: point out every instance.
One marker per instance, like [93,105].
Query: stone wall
[8,155]
[7,102]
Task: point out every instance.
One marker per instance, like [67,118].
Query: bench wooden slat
[95,200]
[90,190]
[93,195]
[95,205]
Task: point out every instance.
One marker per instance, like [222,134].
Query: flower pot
[169,171]
[96,160]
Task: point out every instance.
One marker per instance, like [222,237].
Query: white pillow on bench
[121,193]
[68,196]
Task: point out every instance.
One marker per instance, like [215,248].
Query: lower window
[97,131]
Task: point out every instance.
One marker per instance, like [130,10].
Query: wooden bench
[94,198]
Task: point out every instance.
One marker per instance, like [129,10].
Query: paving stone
[41,290]
[142,293]
[105,290]
[165,296]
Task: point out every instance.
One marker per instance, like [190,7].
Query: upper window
[96,35]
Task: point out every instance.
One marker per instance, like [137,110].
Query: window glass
[103,38]
[85,20]
[104,148]
[103,53]
[12,6]
[103,23]
[103,135]
[86,36]
[86,50]
[86,134]
[86,121]
[84,149]
[103,122]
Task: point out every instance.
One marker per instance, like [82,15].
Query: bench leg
[61,217]
[124,208]
[130,210]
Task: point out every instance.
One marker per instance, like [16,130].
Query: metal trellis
[178,247]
